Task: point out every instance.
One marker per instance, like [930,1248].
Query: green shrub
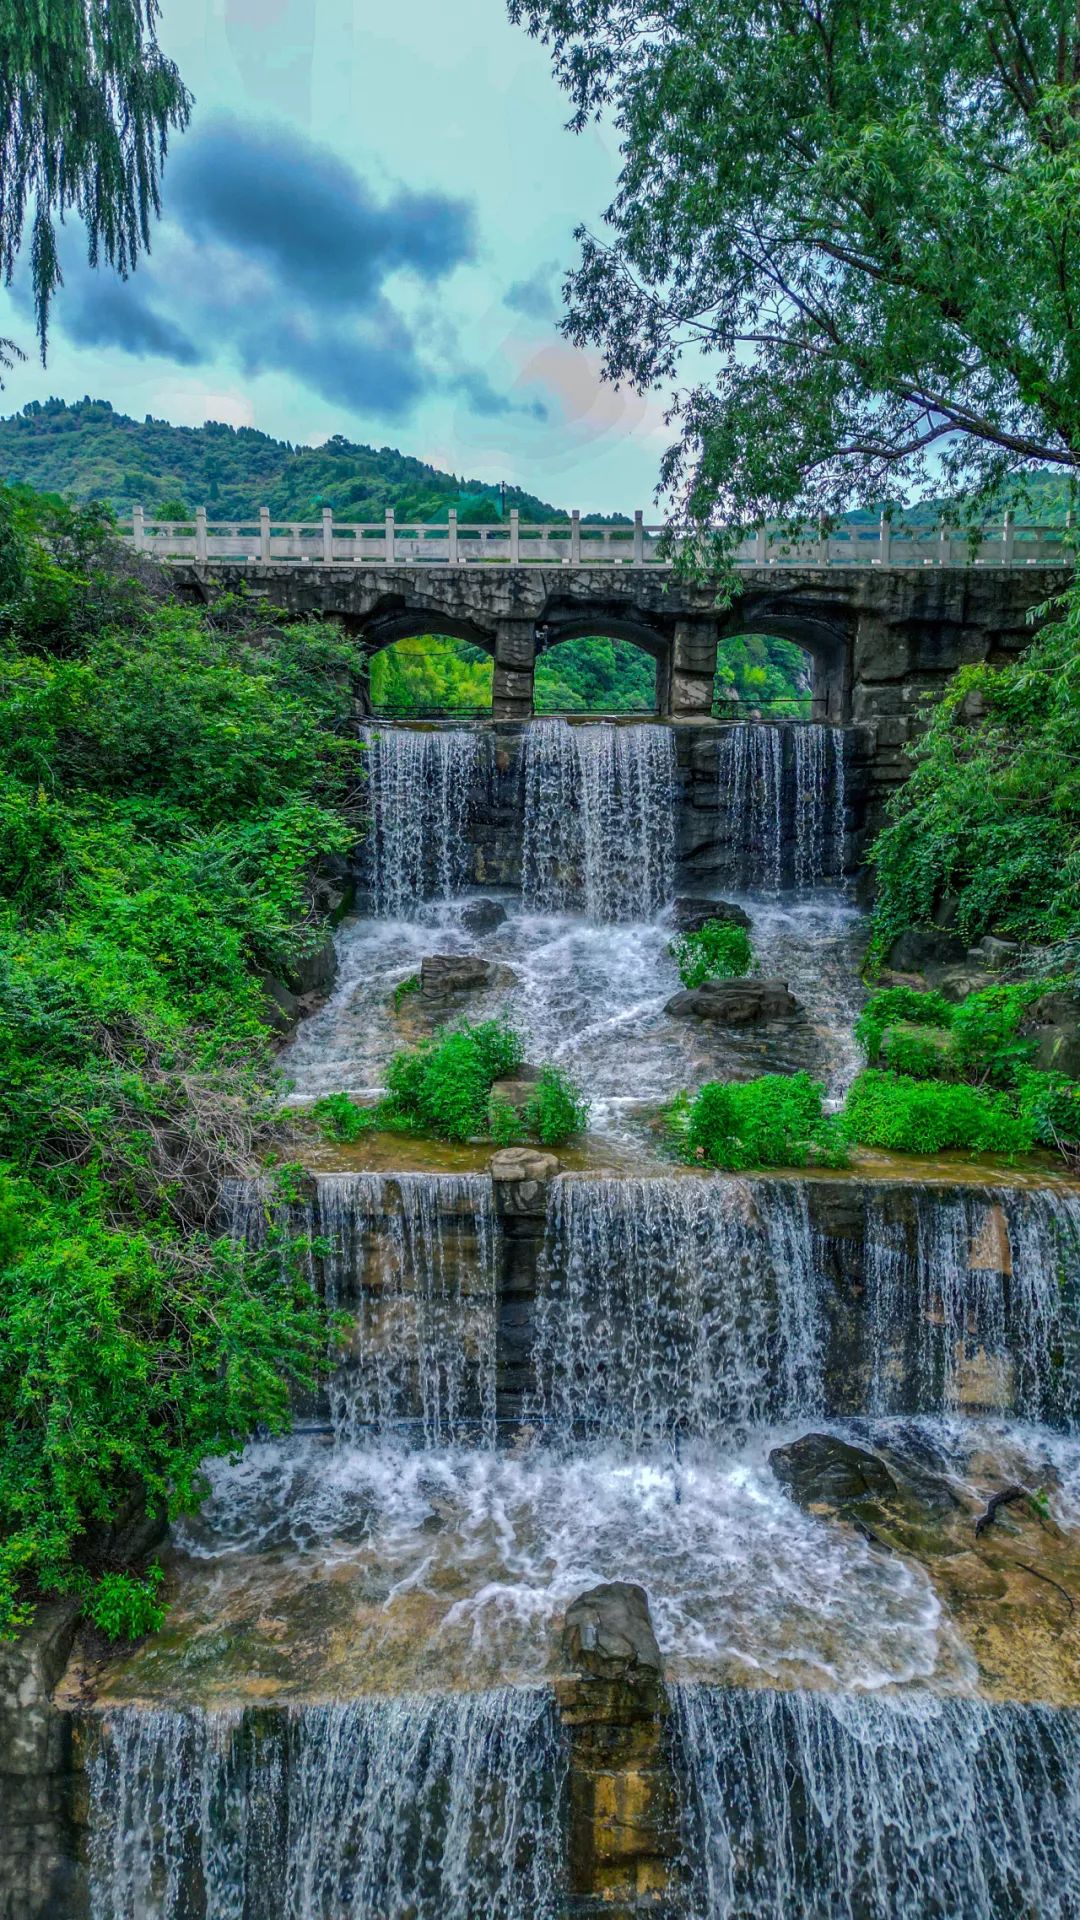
[774,1121]
[924,1052]
[926,1116]
[987,1040]
[893,1006]
[1051,1104]
[717,951]
[556,1110]
[124,1607]
[341,1119]
[442,1087]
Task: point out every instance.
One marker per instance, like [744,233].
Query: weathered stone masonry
[880,638]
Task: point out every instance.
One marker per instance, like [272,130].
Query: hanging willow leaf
[87,100]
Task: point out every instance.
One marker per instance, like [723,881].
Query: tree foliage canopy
[864,211]
[87,101]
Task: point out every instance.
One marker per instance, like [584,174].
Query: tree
[865,211]
[87,101]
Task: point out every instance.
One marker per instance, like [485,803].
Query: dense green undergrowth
[777,1120]
[985,835]
[167,787]
[443,1088]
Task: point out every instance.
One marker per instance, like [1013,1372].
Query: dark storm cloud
[488,402]
[533,297]
[298,210]
[283,266]
[101,311]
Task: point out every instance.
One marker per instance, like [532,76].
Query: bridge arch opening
[595,673]
[426,671]
[763,676]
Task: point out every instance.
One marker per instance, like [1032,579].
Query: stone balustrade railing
[578,543]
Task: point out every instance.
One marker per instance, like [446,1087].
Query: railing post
[1008,544]
[575,538]
[884,539]
[200,535]
[822,544]
[328,533]
[451,537]
[515,547]
[264,533]
[944,546]
[639,538]
[388,536]
[761,548]
[138,529]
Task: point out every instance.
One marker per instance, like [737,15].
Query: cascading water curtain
[599,819]
[906,1808]
[675,1306]
[420,790]
[782,800]
[423,1807]
[992,1274]
[412,1260]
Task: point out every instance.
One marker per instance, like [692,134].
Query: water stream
[599,830]
[911,1808]
[782,799]
[420,788]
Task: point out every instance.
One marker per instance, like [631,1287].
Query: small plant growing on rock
[124,1607]
[716,951]
[556,1110]
[404,989]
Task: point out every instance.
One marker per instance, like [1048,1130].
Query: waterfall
[420,787]
[599,819]
[905,1808]
[423,1807]
[675,1304]
[987,1275]
[412,1258]
[782,812]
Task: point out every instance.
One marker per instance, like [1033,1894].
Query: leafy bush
[341,1119]
[716,951]
[925,1116]
[924,1052]
[1050,1103]
[556,1110]
[891,1006]
[123,1607]
[442,1087]
[774,1121]
[987,1040]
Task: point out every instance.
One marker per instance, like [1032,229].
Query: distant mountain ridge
[89,451]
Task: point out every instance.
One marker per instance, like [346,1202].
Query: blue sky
[365,230]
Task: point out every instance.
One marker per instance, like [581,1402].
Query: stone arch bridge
[880,637]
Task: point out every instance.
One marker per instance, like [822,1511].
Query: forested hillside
[90,452]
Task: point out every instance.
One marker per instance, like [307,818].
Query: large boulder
[821,1470]
[444,974]
[735,1003]
[690,915]
[482,916]
[921,947]
[316,971]
[1053,1022]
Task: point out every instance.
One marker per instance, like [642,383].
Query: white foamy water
[740,1580]
[591,999]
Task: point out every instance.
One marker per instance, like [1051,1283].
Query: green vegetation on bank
[985,835]
[443,1088]
[777,1120]
[719,950]
[167,787]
